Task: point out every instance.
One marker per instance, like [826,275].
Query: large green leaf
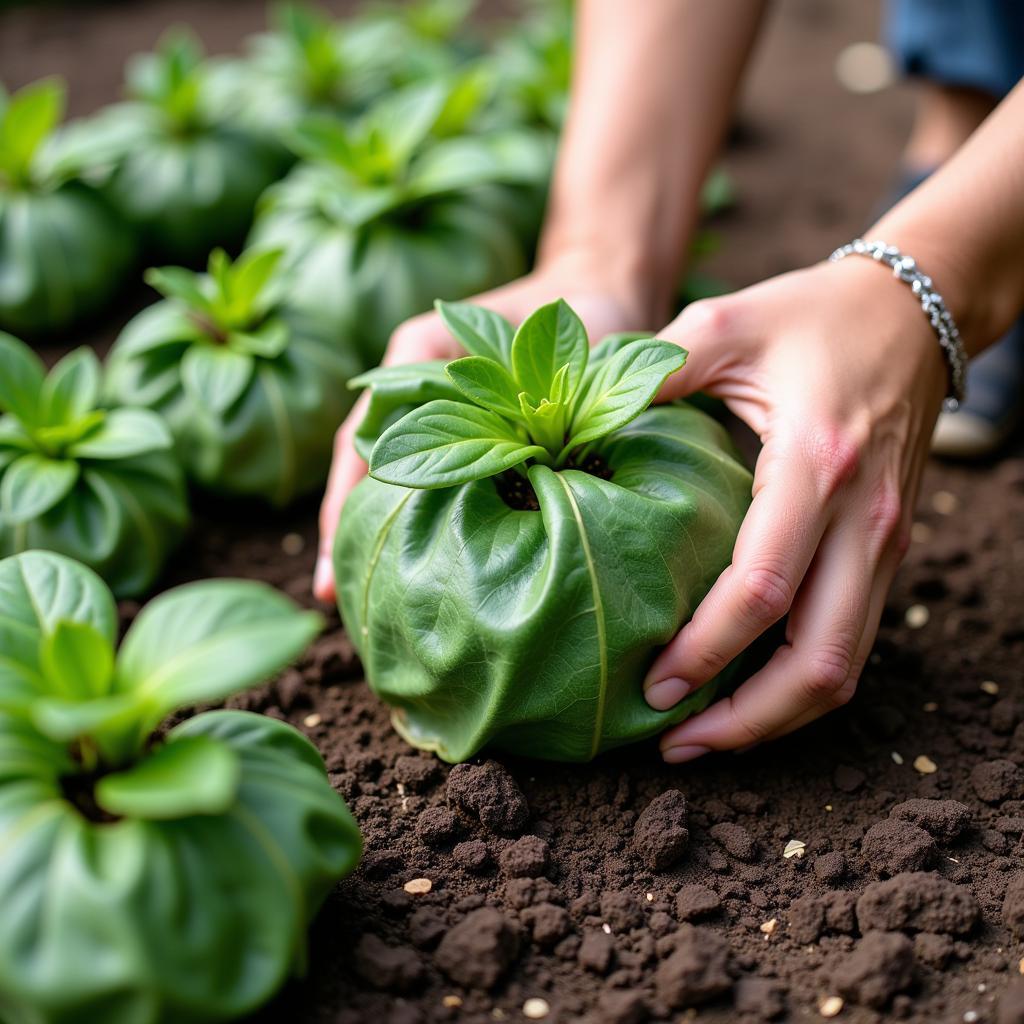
[189,775]
[72,388]
[214,377]
[77,660]
[486,383]
[548,339]
[204,641]
[39,590]
[123,434]
[30,117]
[445,443]
[32,485]
[622,387]
[479,331]
[21,380]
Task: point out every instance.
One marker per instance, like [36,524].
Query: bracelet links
[905,269]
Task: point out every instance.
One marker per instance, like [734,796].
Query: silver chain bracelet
[905,268]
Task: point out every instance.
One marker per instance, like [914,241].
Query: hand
[603,305]
[839,373]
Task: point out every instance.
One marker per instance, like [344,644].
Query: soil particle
[944,820]
[760,998]
[437,826]
[918,901]
[1013,906]
[933,950]
[547,923]
[830,867]
[696,901]
[880,966]
[735,840]
[696,972]
[479,949]
[525,858]
[841,912]
[660,837]
[894,846]
[1011,1004]
[416,774]
[621,1007]
[490,794]
[621,911]
[748,803]
[597,951]
[996,781]
[393,968]
[848,779]
[806,919]
[473,855]
[426,926]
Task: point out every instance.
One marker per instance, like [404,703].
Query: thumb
[712,335]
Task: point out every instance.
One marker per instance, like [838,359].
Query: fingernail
[667,693]
[678,755]
[321,574]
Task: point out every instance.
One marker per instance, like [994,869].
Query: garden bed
[586,926]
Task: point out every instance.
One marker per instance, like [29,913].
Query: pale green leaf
[124,433]
[479,331]
[486,383]
[72,388]
[182,285]
[77,660]
[32,485]
[214,377]
[188,775]
[21,380]
[550,338]
[444,443]
[30,117]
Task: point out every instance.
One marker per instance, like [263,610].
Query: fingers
[773,551]
[832,626]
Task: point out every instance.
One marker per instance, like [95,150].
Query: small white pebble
[925,765]
[971,1016]
[650,897]
[794,848]
[451,1001]
[982,987]
[929,706]
[865,68]
[921,533]
[830,1006]
[952,860]
[418,886]
[917,616]
[989,687]
[897,757]
[293,544]
[828,807]
[945,503]
[768,928]
[606,928]
[312,721]
[536,1008]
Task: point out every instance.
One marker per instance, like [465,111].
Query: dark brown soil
[624,890]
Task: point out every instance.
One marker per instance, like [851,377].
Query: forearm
[653,89]
[965,226]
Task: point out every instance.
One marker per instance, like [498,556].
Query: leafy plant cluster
[148,874]
[530,534]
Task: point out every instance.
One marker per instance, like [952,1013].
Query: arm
[653,88]
[839,372]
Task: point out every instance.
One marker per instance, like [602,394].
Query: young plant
[252,391]
[530,534]
[98,484]
[63,249]
[153,875]
[186,173]
[384,215]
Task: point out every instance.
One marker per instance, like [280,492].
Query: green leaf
[479,331]
[32,485]
[188,775]
[404,119]
[63,720]
[21,380]
[444,443]
[77,660]
[181,285]
[72,388]
[550,338]
[124,433]
[214,377]
[486,383]
[57,439]
[268,342]
[30,117]
[320,137]
[250,275]
[622,387]
[204,641]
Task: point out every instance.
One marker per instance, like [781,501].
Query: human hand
[837,370]
[603,304]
